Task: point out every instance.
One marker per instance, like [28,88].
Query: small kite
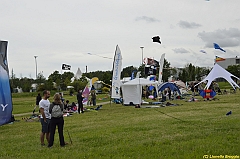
[216,46]
[203,51]
[156,39]
[228,113]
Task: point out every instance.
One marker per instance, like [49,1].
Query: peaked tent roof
[217,72]
[78,74]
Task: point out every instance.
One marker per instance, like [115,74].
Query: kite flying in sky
[216,46]
[156,39]
[203,51]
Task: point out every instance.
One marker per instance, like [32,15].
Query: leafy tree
[79,84]
[104,76]
[47,85]
[127,71]
[235,70]
[65,80]
[67,75]
[40,78]
[192,73]
[142,70]
[55,77]
[26,84]
[107,77]
[166,70]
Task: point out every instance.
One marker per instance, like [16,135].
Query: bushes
[105,89]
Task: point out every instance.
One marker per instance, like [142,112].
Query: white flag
[161,68]
[117,66]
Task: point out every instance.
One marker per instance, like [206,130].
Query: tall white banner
[117,66]
[161,68]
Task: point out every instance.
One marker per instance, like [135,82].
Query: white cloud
[223,37]
[180,50]
[188,25]
[147,19]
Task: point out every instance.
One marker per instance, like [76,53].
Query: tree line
[57,81]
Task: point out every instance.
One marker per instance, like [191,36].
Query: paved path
[30,113]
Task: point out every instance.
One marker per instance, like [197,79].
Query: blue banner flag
[5,92]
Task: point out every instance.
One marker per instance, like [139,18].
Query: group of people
[80,98]
[51,114]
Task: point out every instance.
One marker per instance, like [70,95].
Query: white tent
[217,72]
[78,75]
[132,90]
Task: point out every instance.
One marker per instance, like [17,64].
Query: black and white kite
[156,39]
[66,67]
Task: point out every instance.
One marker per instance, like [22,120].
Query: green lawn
[188,131]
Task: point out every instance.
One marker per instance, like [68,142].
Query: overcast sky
[65,31]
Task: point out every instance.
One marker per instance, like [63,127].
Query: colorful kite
[216,46]
[219,59]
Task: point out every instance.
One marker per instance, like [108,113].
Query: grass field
[187,131]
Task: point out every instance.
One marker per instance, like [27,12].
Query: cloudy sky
[81,33]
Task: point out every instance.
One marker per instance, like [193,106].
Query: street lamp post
[142,53]
[36,64]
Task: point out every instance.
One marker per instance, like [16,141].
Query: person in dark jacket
[80,100]
[38,99]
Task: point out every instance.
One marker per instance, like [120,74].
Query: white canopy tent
[132,90]
[78,75]
[218,72]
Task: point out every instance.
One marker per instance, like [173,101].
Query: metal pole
[36,64]
[142,53]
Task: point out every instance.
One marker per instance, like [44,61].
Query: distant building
[225,62]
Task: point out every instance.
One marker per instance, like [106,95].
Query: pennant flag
[156,39]
[216,46]
[203,51]
[66,67]
[219,59]
[5,92]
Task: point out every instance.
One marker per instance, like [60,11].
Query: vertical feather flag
[117,66]
[161,68]
[5,92]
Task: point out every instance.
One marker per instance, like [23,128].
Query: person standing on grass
[45,117]
[93,97]
[38,99]
[56,111]
[80,100]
